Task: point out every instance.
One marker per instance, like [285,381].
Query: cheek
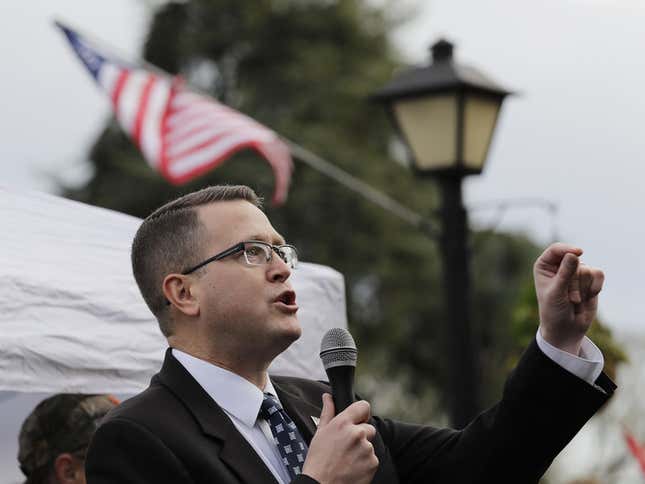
[235,299]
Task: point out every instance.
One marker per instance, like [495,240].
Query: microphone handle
[341,379]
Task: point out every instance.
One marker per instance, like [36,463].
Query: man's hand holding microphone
[341,451]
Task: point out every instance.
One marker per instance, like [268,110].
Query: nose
[277,269]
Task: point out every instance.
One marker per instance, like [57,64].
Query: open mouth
[287,297]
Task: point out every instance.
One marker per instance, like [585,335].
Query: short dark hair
[169,240]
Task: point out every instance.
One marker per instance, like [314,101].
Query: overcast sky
[572,137]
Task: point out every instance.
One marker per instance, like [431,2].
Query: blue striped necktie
[286,436]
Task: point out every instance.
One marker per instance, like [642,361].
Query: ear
[68,469]
[178,291]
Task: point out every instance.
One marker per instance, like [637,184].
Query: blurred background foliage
[305,68]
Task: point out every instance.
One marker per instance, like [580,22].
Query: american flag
[181,133]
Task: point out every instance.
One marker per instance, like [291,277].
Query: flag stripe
[150,133]
[191,122]
[108,77]
[212,151]
[130,99]
[188,98]
[203,136]
[189,113]
[121,80]
[184,176]
[141,111]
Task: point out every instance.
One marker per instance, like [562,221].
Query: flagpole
[358,186]
[299,152]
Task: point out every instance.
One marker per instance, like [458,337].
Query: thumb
[328,411]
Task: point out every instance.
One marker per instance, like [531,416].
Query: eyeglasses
[256,253]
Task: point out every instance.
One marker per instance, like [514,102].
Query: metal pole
[363,189]
[463,362]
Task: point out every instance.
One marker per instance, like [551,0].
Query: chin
[297,332]
[280,342]
[293,332]
[289,334]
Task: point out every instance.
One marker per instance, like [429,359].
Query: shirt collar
[236,395]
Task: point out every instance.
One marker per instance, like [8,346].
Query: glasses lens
[289,255]
[256,253]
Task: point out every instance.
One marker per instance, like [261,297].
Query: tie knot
[270,405]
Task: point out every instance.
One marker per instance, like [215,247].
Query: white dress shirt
[587,366]
[241,401]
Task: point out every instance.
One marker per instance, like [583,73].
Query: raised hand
[341,451]
[567,293]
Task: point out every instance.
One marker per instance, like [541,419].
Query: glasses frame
[239,247]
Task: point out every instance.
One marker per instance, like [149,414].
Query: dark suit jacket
[175,433]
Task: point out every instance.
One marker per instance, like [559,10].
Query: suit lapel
[234,450]
[299,410]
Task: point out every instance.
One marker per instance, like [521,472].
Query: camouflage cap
[62,423]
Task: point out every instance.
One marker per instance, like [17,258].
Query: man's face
[243,304]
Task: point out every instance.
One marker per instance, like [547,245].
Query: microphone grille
[338,348]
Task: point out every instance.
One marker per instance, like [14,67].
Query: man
[53,439]
[215,273]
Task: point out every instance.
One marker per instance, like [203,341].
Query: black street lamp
[446,113]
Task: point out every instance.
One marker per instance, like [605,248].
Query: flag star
[287,449]
[292,435]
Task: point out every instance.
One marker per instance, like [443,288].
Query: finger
[589,306]
[367,450]
[368,431]
[369,447]
[328,411]
[584,281]
[357,412]
[574,290]
[597,281]
[592,305]
[567,279]
[554,253]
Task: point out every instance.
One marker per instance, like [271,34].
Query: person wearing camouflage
[54,437]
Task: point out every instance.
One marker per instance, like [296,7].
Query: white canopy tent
[72,318]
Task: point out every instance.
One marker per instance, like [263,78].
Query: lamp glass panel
[480,118]
[430,127]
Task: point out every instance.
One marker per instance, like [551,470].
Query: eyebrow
[279,240]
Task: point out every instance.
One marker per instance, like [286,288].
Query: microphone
[338,354]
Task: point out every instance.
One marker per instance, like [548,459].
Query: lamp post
[446,114]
